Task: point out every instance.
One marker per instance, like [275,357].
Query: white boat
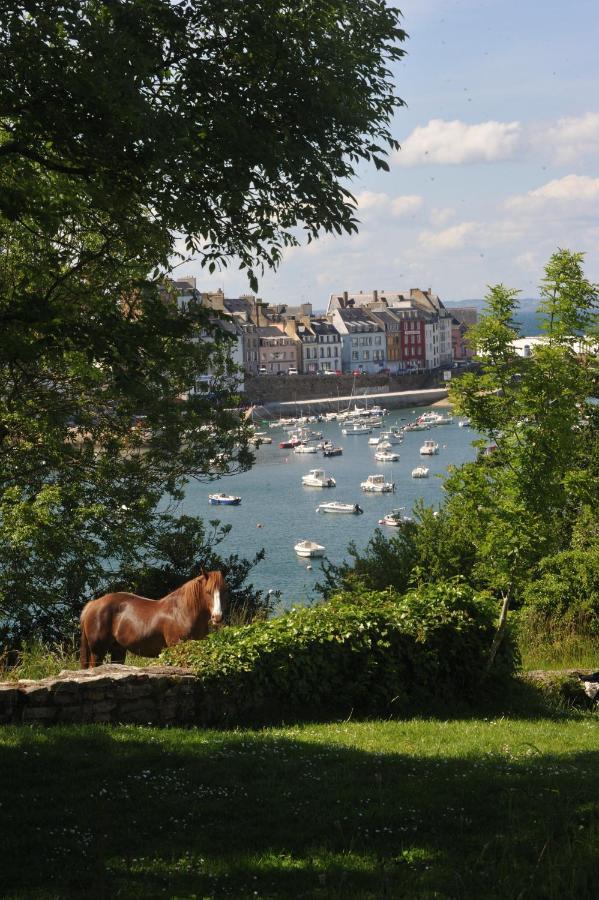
[392,436]
[260,437]
[318,478]
[305,448]
[434,418]
[373,441]
[464,423]
[357,429]
[309,548]
[417,426]
[386,456]
[223,500]
[376,484]
[429,448]
[336,507]
[395,518]
[420,472]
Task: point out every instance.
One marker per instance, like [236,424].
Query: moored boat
[356,429]
[223,500]
[395,518]
[429,448]
[376,484]
[386,456]
[309,548]
[420,472]
[305,448]
[318,478]
[332,451]
[343,508]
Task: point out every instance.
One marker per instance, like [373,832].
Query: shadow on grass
[130,812]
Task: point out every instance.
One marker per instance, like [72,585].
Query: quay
[390,400]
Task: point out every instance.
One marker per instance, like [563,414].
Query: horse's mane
[194,593]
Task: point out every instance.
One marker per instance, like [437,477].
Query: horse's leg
[84,651]
[117,653]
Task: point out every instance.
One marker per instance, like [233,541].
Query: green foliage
[126,125]
[371,652]
[231,123]
[565,593]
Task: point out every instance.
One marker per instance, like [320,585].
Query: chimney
[375,296]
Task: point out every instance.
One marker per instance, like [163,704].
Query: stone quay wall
[157,695]
[264,389]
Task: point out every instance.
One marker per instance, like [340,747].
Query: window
[377,340]
[355,355]
[367,354]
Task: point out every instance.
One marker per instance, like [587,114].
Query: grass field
[463,808]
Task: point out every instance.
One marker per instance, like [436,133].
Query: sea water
[277,511]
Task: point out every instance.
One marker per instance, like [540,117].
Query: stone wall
[264,389]
[158,695]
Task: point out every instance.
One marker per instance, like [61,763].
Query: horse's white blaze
[217,612]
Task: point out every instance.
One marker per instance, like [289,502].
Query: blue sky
[499,163]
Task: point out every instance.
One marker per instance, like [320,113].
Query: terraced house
[364,343]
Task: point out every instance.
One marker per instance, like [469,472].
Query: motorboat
[332,451]
[464,423]
[260,437]
[336,507]
[420,472]
[395,518]
[286,445]
[309,548]
[305,448]
[318,478]
[392,437]
[223,500]
[429,448]
[434,418]
[376,484]
[386,456]
[417,426]
[373,441]
[356,428]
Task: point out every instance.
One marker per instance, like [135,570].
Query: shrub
[373,653]
[565,596]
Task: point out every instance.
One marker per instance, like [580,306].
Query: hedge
[372,653]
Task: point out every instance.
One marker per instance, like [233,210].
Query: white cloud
[568,140]
[371,202]
[449,238]
[571,195]
[455,143]
[402,206]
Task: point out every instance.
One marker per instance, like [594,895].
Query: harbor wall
[265,389]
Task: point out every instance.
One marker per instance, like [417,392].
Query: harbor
[277,510]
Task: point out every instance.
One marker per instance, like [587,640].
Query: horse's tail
[84,648]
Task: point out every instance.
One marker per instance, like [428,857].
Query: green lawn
[465,808]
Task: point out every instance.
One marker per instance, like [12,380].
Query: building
[278,351]
[364,344]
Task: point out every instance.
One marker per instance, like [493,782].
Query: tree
[536,494]
[127,126]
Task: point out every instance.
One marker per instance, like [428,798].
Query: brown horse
[119,622]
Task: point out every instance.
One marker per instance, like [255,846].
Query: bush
[565,596]
[371,653]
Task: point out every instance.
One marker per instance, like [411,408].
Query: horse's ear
[202,572]
[224,570]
